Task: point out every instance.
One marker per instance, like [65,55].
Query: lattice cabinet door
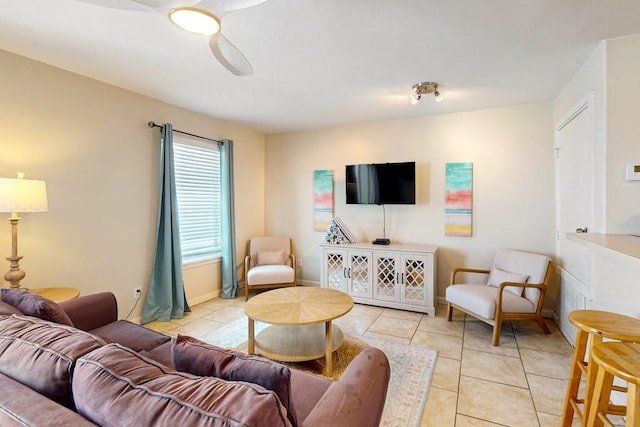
[359,274]
[387,276]
[334,269]
[416,277]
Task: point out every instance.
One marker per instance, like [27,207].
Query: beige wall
[590,82]
[512,154]
[623,134]
[91,144]
[610,76]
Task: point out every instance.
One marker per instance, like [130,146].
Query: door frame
[586,103]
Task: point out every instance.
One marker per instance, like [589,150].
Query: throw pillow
[199,358]
[36,306]
[8,309]
[497,276]
[270,257]
[116,386]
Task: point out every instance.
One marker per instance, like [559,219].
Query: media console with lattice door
[396,276]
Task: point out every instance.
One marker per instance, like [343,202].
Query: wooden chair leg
[543,325]
[496,333]
[246,292]
[449,312]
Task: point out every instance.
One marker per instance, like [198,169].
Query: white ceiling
[320,63]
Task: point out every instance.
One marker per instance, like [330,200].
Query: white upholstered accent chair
[515,290]
[270,264]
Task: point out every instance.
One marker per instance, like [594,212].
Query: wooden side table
[57,294]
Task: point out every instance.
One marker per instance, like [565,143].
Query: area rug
[411,369]
[350,348]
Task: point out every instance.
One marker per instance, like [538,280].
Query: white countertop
[623,243]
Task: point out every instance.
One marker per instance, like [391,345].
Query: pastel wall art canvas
[458,199]
[322,199]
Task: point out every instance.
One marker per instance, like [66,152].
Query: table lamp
[20,195]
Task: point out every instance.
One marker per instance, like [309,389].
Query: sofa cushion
[267,274]
[41,354]
[36,306]
[199,358]
[21,406]
[161,353]
[136,337]
[115,386]
[481,300]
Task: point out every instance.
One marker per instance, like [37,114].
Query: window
[197,172]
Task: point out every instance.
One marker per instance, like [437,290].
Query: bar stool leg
[600,396]
[592,372]
[633,405]
[574,378]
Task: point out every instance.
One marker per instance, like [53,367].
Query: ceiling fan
[200,17]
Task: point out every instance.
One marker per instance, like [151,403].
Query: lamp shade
[23,195]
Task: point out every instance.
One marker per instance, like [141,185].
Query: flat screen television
[381,184]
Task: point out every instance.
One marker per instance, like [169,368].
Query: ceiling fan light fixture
[195,20]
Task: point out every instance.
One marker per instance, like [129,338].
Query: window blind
[197,173]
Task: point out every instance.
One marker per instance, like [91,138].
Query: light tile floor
[520,383]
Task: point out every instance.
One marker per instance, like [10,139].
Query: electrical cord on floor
[132,308]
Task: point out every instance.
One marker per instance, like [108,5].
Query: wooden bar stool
[615,359]
[596,325]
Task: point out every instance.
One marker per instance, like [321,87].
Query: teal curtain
[229,269]
[166,298]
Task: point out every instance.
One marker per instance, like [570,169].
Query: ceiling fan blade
[166,4]
[117,4]
[229,56]
[221,7]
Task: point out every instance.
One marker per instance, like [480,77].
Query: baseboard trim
[308,283]
[206,297]
[548,313]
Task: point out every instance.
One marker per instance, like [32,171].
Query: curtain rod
[154,125]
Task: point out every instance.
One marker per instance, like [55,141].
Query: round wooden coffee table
[297,316]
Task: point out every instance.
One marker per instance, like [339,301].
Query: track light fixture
[423,88]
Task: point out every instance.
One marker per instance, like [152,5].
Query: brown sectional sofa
[74,363]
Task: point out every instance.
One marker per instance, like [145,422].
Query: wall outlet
[137,292]
[298,262]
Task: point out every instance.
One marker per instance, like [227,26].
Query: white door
[575,145]
[575,174]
